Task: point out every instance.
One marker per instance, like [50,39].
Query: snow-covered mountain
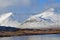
[7,24]
[46,19]
[7,21]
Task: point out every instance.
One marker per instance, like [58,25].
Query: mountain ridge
[45,19]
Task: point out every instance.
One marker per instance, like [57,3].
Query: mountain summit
[6,20]
[46,19]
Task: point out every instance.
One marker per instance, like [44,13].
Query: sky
[22,9]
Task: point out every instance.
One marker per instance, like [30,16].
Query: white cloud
[26,2]
[6,3]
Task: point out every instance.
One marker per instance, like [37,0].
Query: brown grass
[22,32]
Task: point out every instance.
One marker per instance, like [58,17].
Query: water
[34,37]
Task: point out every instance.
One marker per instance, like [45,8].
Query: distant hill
[4,28]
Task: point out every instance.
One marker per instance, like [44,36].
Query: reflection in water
[34,37]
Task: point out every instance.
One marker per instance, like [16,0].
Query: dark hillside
[4,28]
